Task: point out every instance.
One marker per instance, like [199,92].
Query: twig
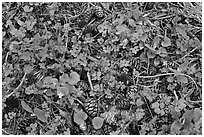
[125,126]
[164,17]
[159,75]
[148,107]
[145,85]
[92,4]
[6,58]
[7,96]
[5,132]
[190,78]
[71,17]
[195,102]
[89,79]
[189,52]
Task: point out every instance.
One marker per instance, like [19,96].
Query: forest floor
[102,68]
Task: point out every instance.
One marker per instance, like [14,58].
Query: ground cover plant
[102,68]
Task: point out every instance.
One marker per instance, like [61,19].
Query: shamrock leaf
[188,116]
[150,54]
[73,79]
[26,8]
[40,114]
[79,117]
[121,28]
[155,105]
[62,91]
[132,22]
[97,122]
[170,79]
[197,114]
[50,82]
[182,79]
[166,42]
[175,127]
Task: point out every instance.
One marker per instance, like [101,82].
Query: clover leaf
[72,79]
[182,79]
[62,91]
[166,42]
[79,117]
[97,122]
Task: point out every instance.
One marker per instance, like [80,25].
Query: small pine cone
[91,106]
[133,128]
[122,103]
[107,129]
[95,132]
[83,86]
[136,63]
[132,92]
[90,29]
[87,16]
[172,65]
[99,12]
[152,70]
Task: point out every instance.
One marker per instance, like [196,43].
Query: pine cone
[83,86]
[90,29]
[99,12]
[91,106]
[133,128]
[107,129]
[136,63]
[95,132]
[87,16]
[122,103]
[131,92]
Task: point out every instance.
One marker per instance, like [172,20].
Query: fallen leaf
[40,114]
[26,107]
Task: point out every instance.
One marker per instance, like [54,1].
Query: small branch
[6,58]
[7,96]
[191,79]
[148,107]
[101,96]
[195,102]
[189,52]
[89,79]
[4,132]
[159,75]
[125,126]
[146,85]
[92,4]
